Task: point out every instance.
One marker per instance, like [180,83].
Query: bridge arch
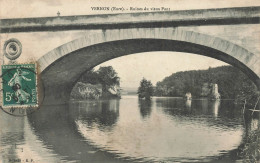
[61,67]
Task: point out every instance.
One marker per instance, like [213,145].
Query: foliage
[145,90]
[83,91]
[232,83]
[90,77]
[251,149]
[106,76]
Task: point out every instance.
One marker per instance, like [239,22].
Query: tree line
[232,83]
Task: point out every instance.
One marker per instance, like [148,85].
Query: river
[127,130]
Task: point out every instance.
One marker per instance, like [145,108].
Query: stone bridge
[125,34]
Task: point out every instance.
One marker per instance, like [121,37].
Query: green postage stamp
[19,86]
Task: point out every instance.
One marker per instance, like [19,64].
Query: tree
[145,90]
[108,78]
[232,83]
[90,76]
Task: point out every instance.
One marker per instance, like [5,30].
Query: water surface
[127,129]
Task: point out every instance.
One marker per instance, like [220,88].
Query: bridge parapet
[224,16]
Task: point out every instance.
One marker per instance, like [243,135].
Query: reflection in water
[145,107]
[104,114]
[180,133]
[19,142]
[164,129]
[55,126]
[215,107]
[204,109]
[188,104]
[205,105]
[11,135]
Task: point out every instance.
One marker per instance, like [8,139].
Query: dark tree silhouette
[108,77]
[145,90]
[232,84]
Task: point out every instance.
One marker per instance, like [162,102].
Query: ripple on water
[152,132]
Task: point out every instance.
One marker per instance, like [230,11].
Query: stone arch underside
[61,67]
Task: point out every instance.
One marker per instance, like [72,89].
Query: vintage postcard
[129,81]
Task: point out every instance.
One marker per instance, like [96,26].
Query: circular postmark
[12,49]
[21,89]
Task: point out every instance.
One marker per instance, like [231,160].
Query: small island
[103,83]
[145,90]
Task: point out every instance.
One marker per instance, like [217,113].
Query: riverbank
[231,83]
[87,91]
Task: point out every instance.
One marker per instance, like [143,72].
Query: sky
[155,66]
[131,69]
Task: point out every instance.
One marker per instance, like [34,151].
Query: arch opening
[61,74]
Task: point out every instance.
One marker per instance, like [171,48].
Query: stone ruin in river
[210,90]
